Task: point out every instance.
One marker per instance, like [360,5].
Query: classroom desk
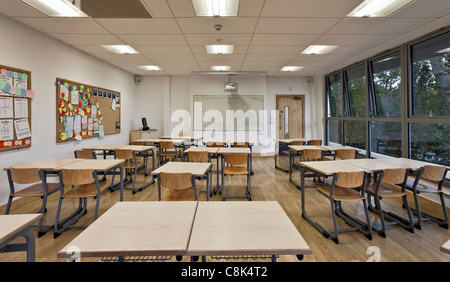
[13,226]
[211,151]
[143,151]
[259,228]
[136,229]
[196,169]
[446,247]
[108,149]
[293,151]
[277,149]
[410,164]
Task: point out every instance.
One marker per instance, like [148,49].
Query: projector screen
[228,112]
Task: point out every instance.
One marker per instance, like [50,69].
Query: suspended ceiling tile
[181,8]
[176,50]
[284,39]
[88,39]
[140,26]
[158,8]
[309,8]
[63,25]
[277,50]
[295,25]
[14,8]
[211,39]
[153,39]
[207,25]
[354,39]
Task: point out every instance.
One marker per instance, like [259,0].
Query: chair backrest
[312,154]
[214,144]
[198,156]
[297,143]
[124,154]
[346,154]
[25,175]
[166,145]
[315,142]
[434,173]
[236,159]
[394,176]
[241,144]
[77,176]
[85,154]
[350,179]
[176,181]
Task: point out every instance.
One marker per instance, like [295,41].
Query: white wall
[48,59]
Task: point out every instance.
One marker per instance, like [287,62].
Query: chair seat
[422,188]
[131,164]
[235,170]
[88,190]
[36,190]
[386,190]
[341,194]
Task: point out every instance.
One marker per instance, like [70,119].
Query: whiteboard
[229,112]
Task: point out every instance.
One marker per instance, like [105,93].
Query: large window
[356,90]
[386,86]
[335,130]
[386,138]
[431,77]
[431,143]
[334,85]
[355,134]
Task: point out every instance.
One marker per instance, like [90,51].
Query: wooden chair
[38,187]
[390,184]
[167,151]
[315,142]
[346,186]
[201,157]
[308,155]
[345,154]
[85,184]
[131,165]
[85,154]
[294,143]
[241,144]
[215,144]
[237,162]
[180,187]
[429,179]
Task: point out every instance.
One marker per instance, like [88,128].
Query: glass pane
[286,122]
[386,76]
[334,95]
[431,77]
[430,142]
[355,134]
[356,87]
[335,131]
[386,138]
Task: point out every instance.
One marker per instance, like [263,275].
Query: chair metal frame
[131,158]
[248,193]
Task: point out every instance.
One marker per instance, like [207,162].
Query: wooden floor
[270,184]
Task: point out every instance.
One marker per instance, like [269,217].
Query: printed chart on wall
[15,108]
[85,111]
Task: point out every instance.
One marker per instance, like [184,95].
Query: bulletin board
[15,108]
[85,111]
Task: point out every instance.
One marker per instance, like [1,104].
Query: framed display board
[85,111]
[15,108]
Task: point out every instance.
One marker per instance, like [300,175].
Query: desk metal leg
[291,169]
[29,246]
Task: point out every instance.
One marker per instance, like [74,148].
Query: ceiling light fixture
[319,49]
[56,8]
[219,49]
[216,8]
[220,68]
[292,68]
[150,68]
[378,8]
[120,49]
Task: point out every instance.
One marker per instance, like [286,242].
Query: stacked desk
[176,229]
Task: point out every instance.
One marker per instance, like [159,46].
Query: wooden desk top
[287,141]
[137,229]
[11,224]
[137,148]
[446,247]
[330,167]
[99,165]
[244,228]
[47,164]
[303,147]
[234,150]
[337,147]
[158,140]
[211,150]
[104,147]
[197,169]
[406,163]
[371,164]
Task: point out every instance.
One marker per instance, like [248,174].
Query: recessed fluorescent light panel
[150,68]
[378,8]
[292,68]
[120,49]
[56,8]
[319,49]
[216,8]
[219,49]
[220,68]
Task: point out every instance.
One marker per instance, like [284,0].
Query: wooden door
[291,116]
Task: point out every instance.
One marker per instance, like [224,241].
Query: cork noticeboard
[85,111]
[15,108]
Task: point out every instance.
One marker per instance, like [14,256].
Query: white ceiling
[267,34]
